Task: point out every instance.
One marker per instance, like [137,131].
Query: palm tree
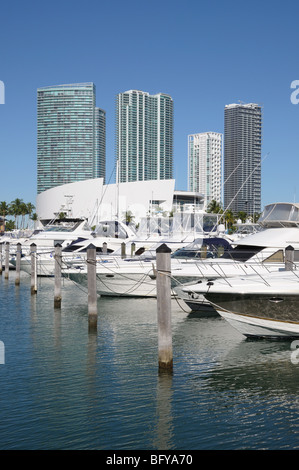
[15,209]
[229,219]
[129,217]
[4,209]
[242,215]
[34,217]
[9,225]
[30,209]
[256,217]
[214,207]
[23,212]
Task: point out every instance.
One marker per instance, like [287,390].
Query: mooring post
[163,283]
[123,250]
[6,260]
[133,247]
[1,260]
[33,268]
[57,272]
[104,249]
[92,286]
[18,263]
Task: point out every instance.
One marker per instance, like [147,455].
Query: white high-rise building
[205,165]
[144,136]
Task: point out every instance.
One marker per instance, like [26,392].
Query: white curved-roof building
[95,201]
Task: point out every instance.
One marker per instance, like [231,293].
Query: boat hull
[255,327]
[124,285]
[259,315]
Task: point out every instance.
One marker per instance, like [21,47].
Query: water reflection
[163,438]
[79,389]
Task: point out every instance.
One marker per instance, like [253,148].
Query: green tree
[4,209]
[215,207]
[242,215]
[23,213]
[229,219]
[129,217]
[30,209]
[256,217]
[9,225]
[15,209]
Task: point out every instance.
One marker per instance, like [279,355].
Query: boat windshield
[203,248]
[242,252]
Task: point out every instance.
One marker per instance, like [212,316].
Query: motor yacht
[136,276]
[261,305]
[261,252]
[107,238]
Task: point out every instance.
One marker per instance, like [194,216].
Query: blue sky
[204,54]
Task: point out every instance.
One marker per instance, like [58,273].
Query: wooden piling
[57,271]
[92,287]
[163,283]
[6,260]
[289,258]
[33,268]
[18,263]
[104,249]
[133,247]
[1,259]
[123,250]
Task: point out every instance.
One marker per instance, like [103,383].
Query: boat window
[242,252]
[276,257]
[58,242]
[206,248]
[71,248]
[98,250]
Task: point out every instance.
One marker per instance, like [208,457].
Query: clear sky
[205,54]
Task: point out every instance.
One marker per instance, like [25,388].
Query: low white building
[96,201]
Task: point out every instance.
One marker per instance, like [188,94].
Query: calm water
[65,388]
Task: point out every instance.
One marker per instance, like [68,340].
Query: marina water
[64,387]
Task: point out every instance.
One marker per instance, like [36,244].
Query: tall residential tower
[70,135]
[242,157]
[144,136]
[205,165]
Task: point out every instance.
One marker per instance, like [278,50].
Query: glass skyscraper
[144,136]
[71,143]
[242,157]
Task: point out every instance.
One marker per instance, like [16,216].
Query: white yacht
[136,276]
[123,241]
[107,238]
[259,305]
[261,252]
[47,236]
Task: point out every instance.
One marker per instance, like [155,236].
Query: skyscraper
[144,136]
[242,157]
[205,165]
[70,135]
